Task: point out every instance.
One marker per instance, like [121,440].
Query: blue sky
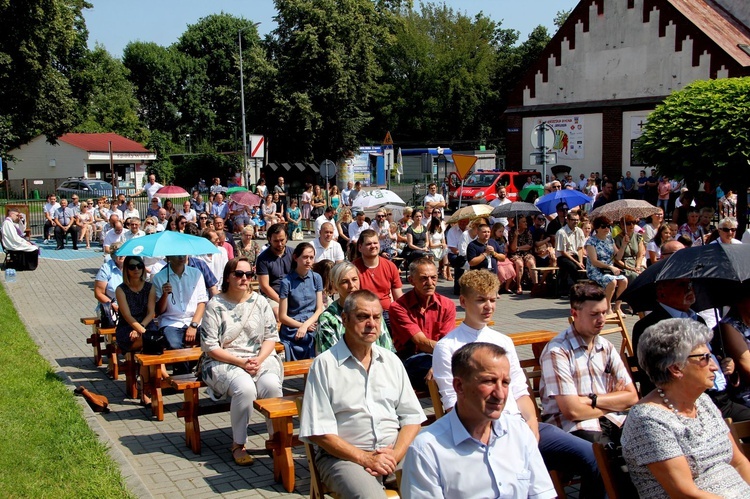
[114,23]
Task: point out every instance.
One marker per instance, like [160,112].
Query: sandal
[242,460]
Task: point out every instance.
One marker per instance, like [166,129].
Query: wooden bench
[280,412]
[111,351]
[191,409]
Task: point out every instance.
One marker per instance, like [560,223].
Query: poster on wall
[636,130]
[568,135]
[361,168]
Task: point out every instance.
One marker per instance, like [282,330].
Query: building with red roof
[85,155]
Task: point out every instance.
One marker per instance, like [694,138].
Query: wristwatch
[194,325]
[592,396]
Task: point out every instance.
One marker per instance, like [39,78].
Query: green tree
[561,17]
[43,43]
[700,133]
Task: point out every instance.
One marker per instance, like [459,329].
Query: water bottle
[10,275]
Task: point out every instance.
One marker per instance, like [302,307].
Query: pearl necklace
[669,404]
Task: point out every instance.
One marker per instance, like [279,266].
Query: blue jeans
[176,338]
[571,455]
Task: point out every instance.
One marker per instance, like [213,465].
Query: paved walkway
[153,456]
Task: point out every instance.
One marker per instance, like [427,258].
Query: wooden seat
[636,374]
[155,381]
[318,490]
[280,412]
[615,324]
[437,403]
[740,431]
[616,481]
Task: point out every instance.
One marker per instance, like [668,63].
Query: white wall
[627,121]
[33,160]
[592,153]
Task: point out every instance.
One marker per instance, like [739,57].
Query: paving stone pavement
[153,456]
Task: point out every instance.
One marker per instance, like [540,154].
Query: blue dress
[605,252]
[294,214]
[301,295]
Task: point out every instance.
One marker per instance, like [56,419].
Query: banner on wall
[568,130]
[636,130]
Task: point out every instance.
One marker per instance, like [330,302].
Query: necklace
[669,404]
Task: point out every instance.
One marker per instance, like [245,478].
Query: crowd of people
[340,299]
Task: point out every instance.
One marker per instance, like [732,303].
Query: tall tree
[43,42]
[700,133]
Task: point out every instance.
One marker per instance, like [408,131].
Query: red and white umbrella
[172,192]
[246,198]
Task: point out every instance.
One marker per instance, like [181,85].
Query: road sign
[327,169]
[536,136]
[463,163]
[537,158]
[257,146]
[388,141]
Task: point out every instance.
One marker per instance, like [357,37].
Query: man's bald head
[670,247]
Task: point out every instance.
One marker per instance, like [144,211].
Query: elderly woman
[727,230]
[137,300]
[238,336]
[344,278]
[674,440]
[692,229]
[248,247]
[633,260]
[108,279]
[601,252]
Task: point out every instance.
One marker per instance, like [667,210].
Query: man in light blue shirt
[477,450]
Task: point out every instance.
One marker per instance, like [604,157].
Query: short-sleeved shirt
[301,293]
[409,318]
[569,241]
[220,210]
[475,248]
[333,252]
[567,369]
[380,280]
[366,408]
[112,237]
[188,291]
[110,273]
[446,461]
[209,280]
[436,198]
[64,215]
[49,209]
[355,230]
[275,267]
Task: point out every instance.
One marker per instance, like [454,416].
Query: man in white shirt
[359,408]
[502,198]
[569,243]
[356,228]
[49,214]
[149,187]
[454,239]
[163,220]
[25,255]
[134,224]
[583,182]
[433,200]
[345,201]
[325,247]
[561,450]
[500,450]
[115,235]
[382,228]
[327,216]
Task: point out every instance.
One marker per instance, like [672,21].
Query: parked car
[481,186]
[86,188]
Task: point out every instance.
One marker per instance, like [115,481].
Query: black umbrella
[516,209]
[716,270]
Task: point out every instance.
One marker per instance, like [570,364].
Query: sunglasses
[149,223]
[629,223]
[203,218]
[703,358]
[381,216]
[239,273]
[728,229]
[134,266]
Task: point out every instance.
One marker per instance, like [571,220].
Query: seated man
[25,255]
[560,450]
[326,248]
[585,387]
[569,243]
[65,223]
[419,319]
[499,450]
[359,408]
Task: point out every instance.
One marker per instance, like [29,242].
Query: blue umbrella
[167,243]
[571,197]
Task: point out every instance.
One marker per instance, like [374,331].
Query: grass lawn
[46,447]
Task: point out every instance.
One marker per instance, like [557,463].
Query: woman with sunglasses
[674,440]
[203,219]
[727,230]
[633,258]
[238,337]
[137,299]
[153,208]
[601,252]
[300,305]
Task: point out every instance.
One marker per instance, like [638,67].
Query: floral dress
[294,214]
[251,253]
[240,329]
[605,253]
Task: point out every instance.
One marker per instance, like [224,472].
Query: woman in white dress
[238,337]
[438,246]
[86,219]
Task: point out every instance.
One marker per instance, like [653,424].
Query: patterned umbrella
[246,198]
[618,209]
[172,191]
[470,213]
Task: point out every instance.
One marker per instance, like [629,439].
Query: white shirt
[319,223]
[49,209]
[151,189]
[112,237]
[454,236]
[190,216]
[12,241]
[345,197]
[130,213]
[366,408]
[216,262]
[446,461]
[127,236]
[583,183]
[495,203]
[187,292]
[435,198]
[569,241]
[333,252]
[465,240]
[355,230]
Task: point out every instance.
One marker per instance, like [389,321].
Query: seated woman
[417,244]
[663,234]
[86,221]
[520,250]
[238,336]
[137,300]
[674,440]
[438,246]
[692,229]
[269,211]
[506,269]
[301,304]
[106,282]
[632,262]
[735,332]
[293,218]
[344,278]
[248,247]
[601,252]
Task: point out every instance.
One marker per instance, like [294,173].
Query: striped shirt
[568,369]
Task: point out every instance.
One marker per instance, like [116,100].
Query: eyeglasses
[703,358]
[574,219]
[203,218]
[380,216]
[239,273]
[135,266]
[154,201]
[728,229]
[605,227]
[629,223]
[135,224]
[149,223]
[74,199]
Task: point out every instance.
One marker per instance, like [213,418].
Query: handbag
[154,342]
[297,235]
[107,316]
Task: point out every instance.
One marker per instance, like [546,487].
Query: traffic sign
[257,146]
[327,169]
[463,163]
[388,141]
[536,136]
[538,158]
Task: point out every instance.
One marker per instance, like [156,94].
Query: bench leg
[283,463]
[189,411]
[96,341]
[131,371]
[154,384]
[113,366]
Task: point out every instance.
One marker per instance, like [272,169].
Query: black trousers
[47,227]
[728,407]
[60,236]
[457,262]
[568,274]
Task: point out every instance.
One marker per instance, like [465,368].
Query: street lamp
[190,143]
[234,125]
[242,103]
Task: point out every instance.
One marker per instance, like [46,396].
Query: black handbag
[154,342]
[107,316]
